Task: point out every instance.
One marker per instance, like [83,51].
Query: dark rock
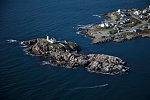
[103,39]
[67,55]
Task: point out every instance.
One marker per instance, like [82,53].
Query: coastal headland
[67,55]
[120,25]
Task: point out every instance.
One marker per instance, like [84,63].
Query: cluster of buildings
[123,19]
[106,25]
[116,25]
[142,14]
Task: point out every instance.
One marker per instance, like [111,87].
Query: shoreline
[121,25]
[69,56]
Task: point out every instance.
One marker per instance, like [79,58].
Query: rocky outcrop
[61,54]
[106,64]
[43,47]
[102,39]
[98,38]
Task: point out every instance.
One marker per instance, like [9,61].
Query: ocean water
[26,77]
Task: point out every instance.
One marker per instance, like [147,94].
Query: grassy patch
[142,25]
[118,16]
[134,15]
[97,26]
[106,29]
[113,31]
[57,45]
[136,22]
[61,44]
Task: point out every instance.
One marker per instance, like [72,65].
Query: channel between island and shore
[121,25]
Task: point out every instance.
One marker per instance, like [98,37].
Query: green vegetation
[57,45]
[113,31]
[142,25]
[72,45]
[106,29]
[135,23]
[97,26]
[118,16]
[61,44]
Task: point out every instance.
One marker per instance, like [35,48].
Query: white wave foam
[79,25]
[24,46]
[91,87]
[97,16]
[99,72]
[45,63]
[85,26]
[22,42]
[26,53]
[88,25]
[78,32]
[11,41]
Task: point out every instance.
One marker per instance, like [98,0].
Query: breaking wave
[78,32]
[45,63]
[22,44]
[97,16]
[11,40]
[84,26]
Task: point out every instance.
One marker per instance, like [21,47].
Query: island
[66,54]
[120,25]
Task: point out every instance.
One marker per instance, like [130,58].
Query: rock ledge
[61,54]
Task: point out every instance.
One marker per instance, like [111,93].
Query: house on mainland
[137,12]
[104,25]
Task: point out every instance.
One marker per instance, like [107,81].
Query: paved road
[106,33]
[132,28]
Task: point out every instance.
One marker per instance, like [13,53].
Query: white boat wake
[91,87]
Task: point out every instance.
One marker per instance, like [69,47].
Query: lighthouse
[47,37]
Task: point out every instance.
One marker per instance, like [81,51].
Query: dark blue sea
[26,77]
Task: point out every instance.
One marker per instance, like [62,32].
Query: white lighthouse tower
[47,37]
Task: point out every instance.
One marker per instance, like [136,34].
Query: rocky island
[67,55]
[121,25]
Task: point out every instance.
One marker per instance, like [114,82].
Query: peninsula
[64,53]
[121,25]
